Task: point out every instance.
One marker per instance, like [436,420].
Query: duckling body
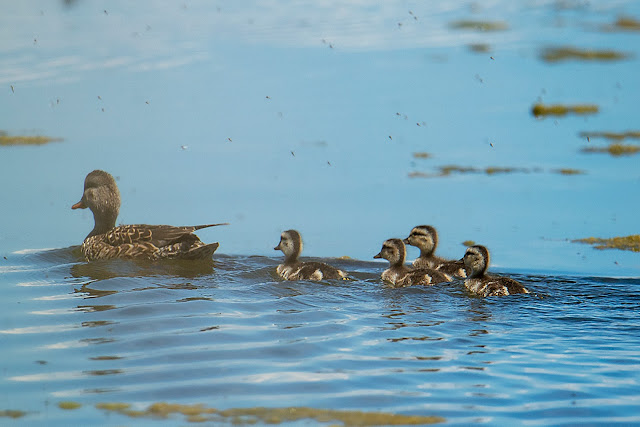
[476,260]
[425,238]
[399,274]
[139,241]
[293,269]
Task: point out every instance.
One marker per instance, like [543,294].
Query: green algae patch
[6,139]
[612,136]
[568,171]
[69,406]
[479,48]
[12,413]
[479,25]
[628,243]
[624,23]
[238,416]
[541,110]
[615,150]
[449,170]
[421,155]
[468,243]
[557,54]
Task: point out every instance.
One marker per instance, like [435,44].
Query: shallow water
[317,116]
[231,335]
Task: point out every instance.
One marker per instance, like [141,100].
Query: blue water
[307,115]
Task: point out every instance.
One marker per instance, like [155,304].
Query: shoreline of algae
[239,416]
[626,243]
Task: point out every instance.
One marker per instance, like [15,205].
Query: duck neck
[104,220]
[291,259]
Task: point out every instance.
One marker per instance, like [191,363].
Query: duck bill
[277,248]
[79,205]
[378,256]
[406,241]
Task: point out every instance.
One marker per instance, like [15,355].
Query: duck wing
[157,235]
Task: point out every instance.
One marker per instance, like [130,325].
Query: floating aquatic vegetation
[6,139]
[613,136]
[421,155]
[479,25]
[69,405]
[479,47]
[540,110]
[616,150]
[628,243]
[568,171]
[468,243]
[12,413]
[556,54]
[239,416]
[624,23]
[491,170]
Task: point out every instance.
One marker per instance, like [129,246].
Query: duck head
[476,260]
[425,238]
[290,245]
[102,196]
[393,250]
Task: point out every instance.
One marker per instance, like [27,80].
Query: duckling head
[476,260]
[393,250]
[424,237]
[290,245]
[102,196]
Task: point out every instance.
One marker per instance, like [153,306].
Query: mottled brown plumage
[425,238]
[399,274]
[476,260]
[141,241]
[293,269]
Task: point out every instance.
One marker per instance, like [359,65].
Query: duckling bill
[476,260]
[292,269]
[139,241]
[399,275]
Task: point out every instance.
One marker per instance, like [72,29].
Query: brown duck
[476,260]
[400,275]
[139,241]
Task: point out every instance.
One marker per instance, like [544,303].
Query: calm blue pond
[336,119]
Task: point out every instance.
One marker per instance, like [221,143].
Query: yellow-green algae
[624,23]
[614,149]
[421,155]
[12,413]
[69,405]
[479,25]
[479,48]
[556,54]
[628,243]
[568,171]
[612,136]
[201,413]
[468,243]
[491,170]
[6,139]
[540,110]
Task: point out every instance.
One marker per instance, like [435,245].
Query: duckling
[476,260]
[292,269]
[393,250]
[425,238]
[139,241]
